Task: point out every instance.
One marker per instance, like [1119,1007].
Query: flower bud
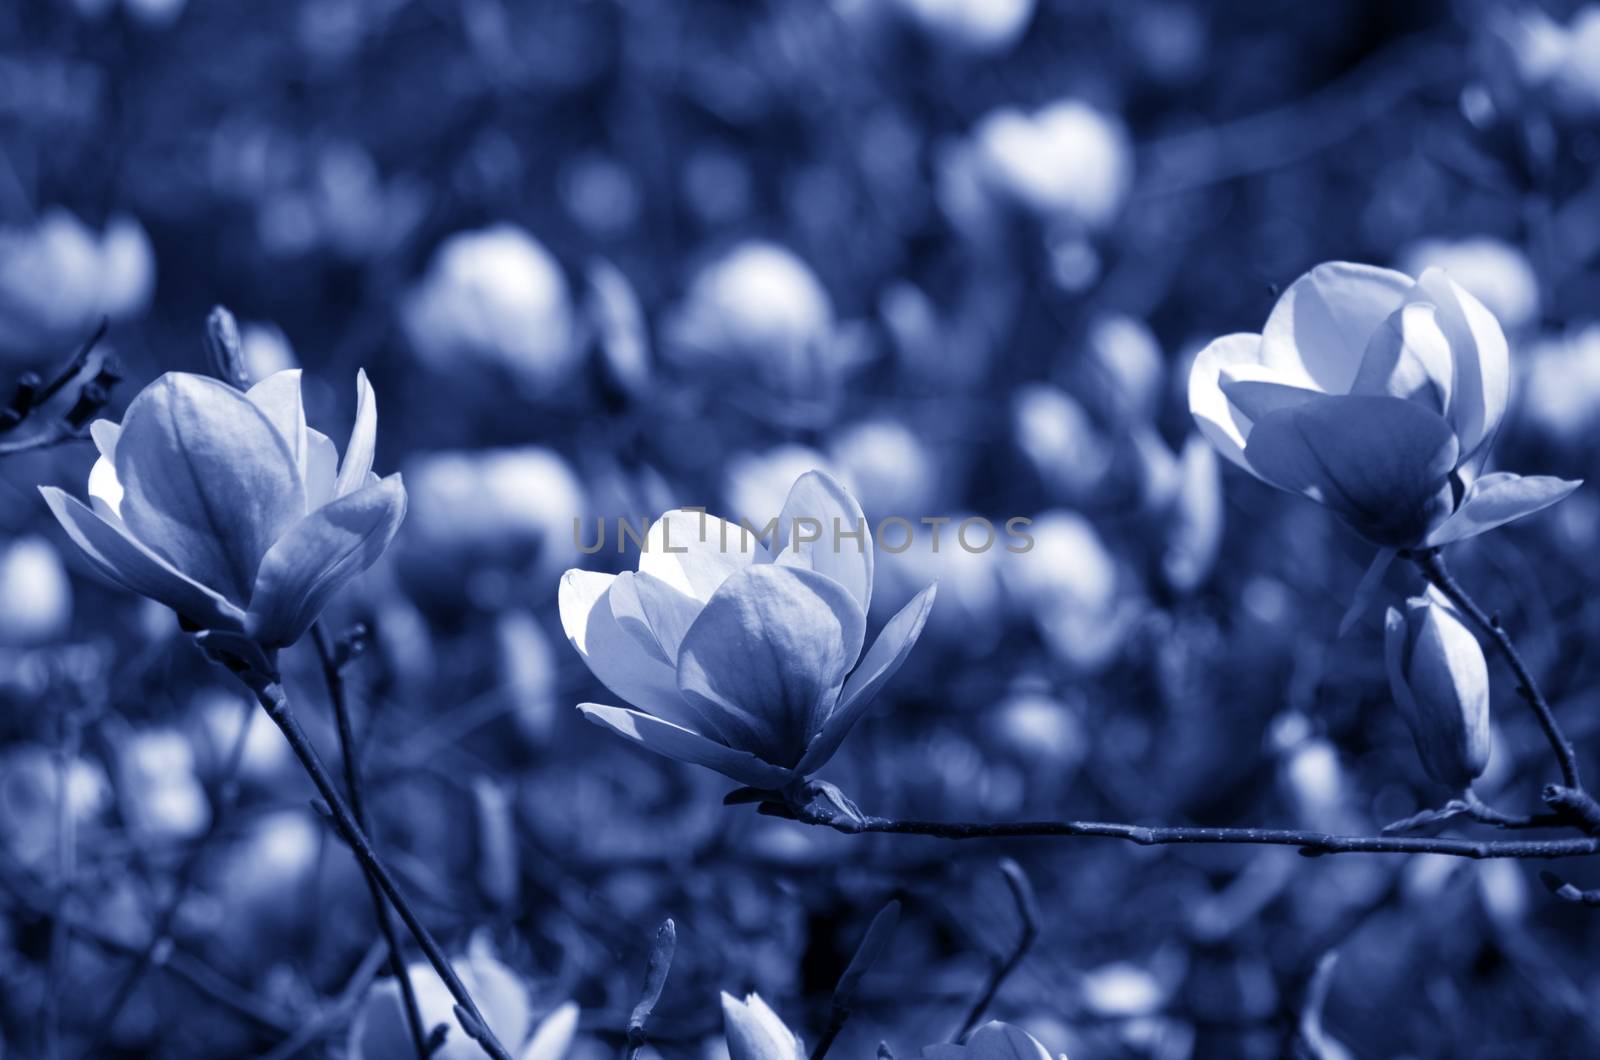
[755,1032]
[1441,682]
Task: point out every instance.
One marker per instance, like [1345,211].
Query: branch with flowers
[1372,394]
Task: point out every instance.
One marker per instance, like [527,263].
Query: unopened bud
[1440,680]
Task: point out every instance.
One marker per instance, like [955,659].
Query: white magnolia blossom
[35,593]
[1377,395]
[1440,680]
[755,1032]
[57,276]
[993,1041]
[226,507]
[1067,160]
[735,656]
[496,296]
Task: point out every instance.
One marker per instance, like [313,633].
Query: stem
[1311,844]
[334,678]
[1431,564]
[276,703]
[1022,894]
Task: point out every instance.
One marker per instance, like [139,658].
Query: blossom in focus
[1376,395]
[993,1041]
[35,594]
[982,27]
[735,656]
[1066,161]
[755,1032]
[380,1031]
[1497,273]
[57,276]
[226,507]
[1440,680]
[495,296]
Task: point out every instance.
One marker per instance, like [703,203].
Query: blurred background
[608,257]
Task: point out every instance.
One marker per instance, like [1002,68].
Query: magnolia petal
[993,1041]
[208,481]
[552,1039]
[765,660]
[880,664]
[1500,498]
[363,439]
[1224,426]
[674,741]
[121,559]
[1482,378]
[105,434]
[104,489]
[666,612]
[278,397]
[1367,589]
[1381,463]
[613,655]
[322,468]
[318,555]
[1258,392]
[1409,357]
[755,1032]
[694,552]
[834,513]
[1320,326]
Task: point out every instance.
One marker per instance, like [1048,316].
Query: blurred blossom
[32,780]
[887,466]
[155,14]
[1195,518]
[163,797]
[601,195]
[992,1041]
[265,752]
[266,350]
[380,1031]
[1041,727]
[1493,270]
[1377,396]
[758,312]
[1316,782]
[743,659]
[968,616]
[1122,990]
[35,594]
[1070,584]
[1561,398]
[1126,352]
[495,296]
[756,485]
[265,526]
[527,671]
[1059,439]
[505,506]
[1440,681]
[755,1032]
[1067,161]
[984,27]
[57,276]
[1531,54]
[274,859]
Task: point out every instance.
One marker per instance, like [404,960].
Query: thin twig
[225,792]
[1028,913]
[1312,844]
[333,675]
[275,701]
[1431,564]
[1568,892]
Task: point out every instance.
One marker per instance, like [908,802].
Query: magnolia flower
[755,1032]
[993,1041]
[1377,396]
[35,594]
[224,506]
[496,296]
[58,275]
[1066,161]
[738,657]
[380,1031]
[1441,682]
